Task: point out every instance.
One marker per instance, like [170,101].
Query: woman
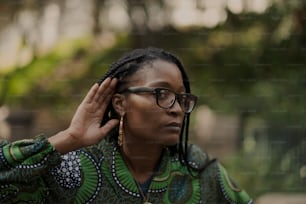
[137,154]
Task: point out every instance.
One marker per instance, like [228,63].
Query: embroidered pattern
[78,177]
[5,188]
[91,180]
[68,173]
[3,161]
[120,175]
[230,190]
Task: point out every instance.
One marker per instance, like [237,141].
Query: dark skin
[84,129]
[147,127]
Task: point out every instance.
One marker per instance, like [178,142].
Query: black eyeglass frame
[156,92]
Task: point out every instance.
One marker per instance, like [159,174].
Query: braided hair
[126,66]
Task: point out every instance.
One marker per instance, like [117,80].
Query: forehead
[159,73]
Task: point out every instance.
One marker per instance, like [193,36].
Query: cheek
[144,118]
[143,109]
[143,115]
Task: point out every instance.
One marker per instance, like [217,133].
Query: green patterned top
[32,171]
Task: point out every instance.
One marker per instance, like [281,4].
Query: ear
[119,103]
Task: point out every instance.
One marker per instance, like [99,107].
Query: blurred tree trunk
[98,4]
[138,14]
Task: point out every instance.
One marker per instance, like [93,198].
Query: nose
[176,107]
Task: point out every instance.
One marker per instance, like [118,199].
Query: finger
[91,93]
[105,93]
[108,127]
[104,102]
[108,92]
[101,91]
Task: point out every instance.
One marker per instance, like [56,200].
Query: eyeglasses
[165,98]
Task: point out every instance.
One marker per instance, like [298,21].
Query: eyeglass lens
[166,98]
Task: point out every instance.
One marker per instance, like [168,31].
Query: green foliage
[60,78]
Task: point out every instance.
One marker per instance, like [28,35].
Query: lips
[174,126]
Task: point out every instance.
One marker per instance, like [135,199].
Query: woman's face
[144,120]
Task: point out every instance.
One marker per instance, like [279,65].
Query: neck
[141,159]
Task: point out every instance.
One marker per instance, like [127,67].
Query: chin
[170,140]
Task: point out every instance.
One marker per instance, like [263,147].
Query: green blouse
[32,171]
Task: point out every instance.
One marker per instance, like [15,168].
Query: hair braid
[114,69]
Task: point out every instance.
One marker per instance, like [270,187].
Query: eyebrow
[164,84]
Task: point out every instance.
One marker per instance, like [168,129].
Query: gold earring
[121,133]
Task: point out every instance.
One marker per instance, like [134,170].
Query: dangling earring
[121,133]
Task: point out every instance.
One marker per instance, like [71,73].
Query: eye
[163,94]
[184,100]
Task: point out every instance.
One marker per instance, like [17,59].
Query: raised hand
[85,129]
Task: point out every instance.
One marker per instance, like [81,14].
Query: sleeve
[215,183]
[22,164]
[230,189]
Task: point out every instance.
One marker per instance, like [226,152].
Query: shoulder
[230,189]
[213,173]
[197,158]
[215,177]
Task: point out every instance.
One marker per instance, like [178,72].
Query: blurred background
[245,58]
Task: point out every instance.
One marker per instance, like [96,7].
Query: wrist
[64,142]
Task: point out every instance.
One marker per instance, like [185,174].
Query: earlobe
[118,102]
